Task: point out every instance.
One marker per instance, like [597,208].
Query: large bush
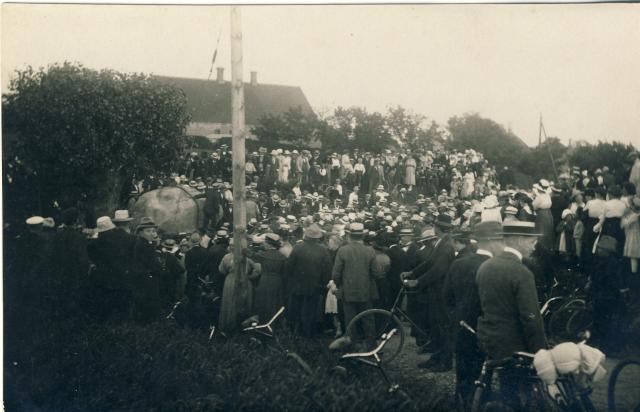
[81,134]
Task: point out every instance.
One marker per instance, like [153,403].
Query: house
[209,103]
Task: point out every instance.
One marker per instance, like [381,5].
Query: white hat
[566,213]
[35,220]
[104,223]
[122,216]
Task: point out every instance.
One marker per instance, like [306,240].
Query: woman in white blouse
[609,223]
[544,218]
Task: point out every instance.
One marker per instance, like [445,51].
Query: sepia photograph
[345,207]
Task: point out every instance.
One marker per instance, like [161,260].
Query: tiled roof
[210,101]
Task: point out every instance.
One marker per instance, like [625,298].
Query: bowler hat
[444,221]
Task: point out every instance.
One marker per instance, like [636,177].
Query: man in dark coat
[69,266]
[146,272]
[429,278]
[403,256]
[355,272]
[510,320]
[110,288]
[461,298]
[307,273]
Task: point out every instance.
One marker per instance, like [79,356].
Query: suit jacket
[460,290]
[308,268]
[510,318]
[401,261]
[112,253]
[432,272]
[355,271]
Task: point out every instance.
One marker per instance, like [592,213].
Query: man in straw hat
[354,273]
[510,320]
[308,271]
[122,220]
[111,253]
[461,298]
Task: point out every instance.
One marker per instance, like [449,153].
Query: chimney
[220,78]
[254,78]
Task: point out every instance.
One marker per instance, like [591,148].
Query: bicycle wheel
[580,321]
[379,322]
[557,327]
[624,387]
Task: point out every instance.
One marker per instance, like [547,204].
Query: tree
[361,129]
[499,146]
[82,134]
[538,163]
[295,127]
[615,155]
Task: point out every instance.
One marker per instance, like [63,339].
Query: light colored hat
[511,210]
[313,231]
[49,222]
[544,183]
[566,213]
[274,152]
[356,228]
[104,223]
[35,220]
[121,216]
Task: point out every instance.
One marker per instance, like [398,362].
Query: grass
[164,367]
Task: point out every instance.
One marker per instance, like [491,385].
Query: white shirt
[514,251]
[595,208]
[614,208]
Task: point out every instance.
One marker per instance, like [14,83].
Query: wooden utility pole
[237,306]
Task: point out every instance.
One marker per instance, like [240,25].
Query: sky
[577,66]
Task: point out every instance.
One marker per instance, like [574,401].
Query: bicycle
[384,321]
[533,394]
[262,334]
[373,358]
[623,392]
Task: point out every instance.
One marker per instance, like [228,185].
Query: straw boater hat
[121,216]
[520,229]
[489,230]
[35,220]
[356,229]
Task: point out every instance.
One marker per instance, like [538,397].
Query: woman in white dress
[410,174]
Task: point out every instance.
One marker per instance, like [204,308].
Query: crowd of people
[330,236]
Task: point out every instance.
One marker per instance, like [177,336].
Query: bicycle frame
[401,314]
[371,358]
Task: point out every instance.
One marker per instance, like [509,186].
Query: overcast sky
[577,65]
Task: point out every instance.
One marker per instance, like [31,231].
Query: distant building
[209,103]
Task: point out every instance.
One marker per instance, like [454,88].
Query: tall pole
[237,307]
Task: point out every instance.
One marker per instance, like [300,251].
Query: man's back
[354,269]
[308,268]
[510,318]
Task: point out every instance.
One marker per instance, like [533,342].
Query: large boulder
[176,209]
